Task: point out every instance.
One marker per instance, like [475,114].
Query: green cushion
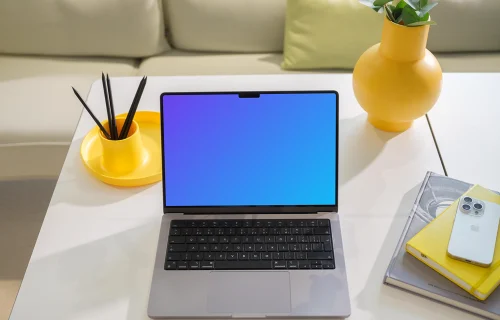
[322,34]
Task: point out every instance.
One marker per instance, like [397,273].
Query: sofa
[47,46]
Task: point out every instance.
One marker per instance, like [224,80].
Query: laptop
[250,226]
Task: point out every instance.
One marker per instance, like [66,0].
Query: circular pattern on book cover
[151,169]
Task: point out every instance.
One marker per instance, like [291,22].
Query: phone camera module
[468,199]
[466,207]
[478,206]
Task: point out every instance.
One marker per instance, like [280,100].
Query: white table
[466,123]
[95,252]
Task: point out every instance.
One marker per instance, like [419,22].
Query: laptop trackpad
[249,292]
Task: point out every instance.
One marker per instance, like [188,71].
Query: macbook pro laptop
[250,226]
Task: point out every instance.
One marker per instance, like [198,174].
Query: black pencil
[108,110]
[132,110]
[114,131]
[91,114]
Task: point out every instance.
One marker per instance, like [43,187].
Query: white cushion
[124,28]
[465,25]
[226,25]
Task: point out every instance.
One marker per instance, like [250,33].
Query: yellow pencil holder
[122,156]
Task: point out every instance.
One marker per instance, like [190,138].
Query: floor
[22,209]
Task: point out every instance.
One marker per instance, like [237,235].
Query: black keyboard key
[224,224]
[307,231]
[316,266]
[328,247]
[227,247]
[230,231]
[186,231]
[175,232]
[213,239]
[285,231]
[247,239]
[220,256]
[293,264]
[177,224]
[207,265]
[302,239]
[315,239]
[312,223]
[294,247]
[255,256]
[266,256]
[237,223]
[191,239]
[274,231]
[247,223]
[320,255]
[203,224]
[249,247]
[300,255]
[177,239]
[288,255]
[238,247]
[243,256]
[203,239]
[283,247]
[242,231]
[186,256]
[177,248]
[317,247]
[198,231]
[208,232]
[306,247]
[170,265]
[253,231]
[264,231]
[280,239]
[194,265]
[322,230]
[219,231]
[215,247]
[323,223]
[232,256]
[279,264]
[248,265]
[291,239]
[291,223]
[272,247]
[304,265]
[173,257]
[197,256]
[182,265]
[224,239]
[209,256]
[192,223]
[260,247]
[235,239]
[259,239]
[302,223]
[270,223]
[296,231]
[204,247]
[278,256]
[326,239]
[214,224]
[192,247]
[327,264]
[258,223]
[270,239]
[280,224]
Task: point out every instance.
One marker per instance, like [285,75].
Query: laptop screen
[267,149]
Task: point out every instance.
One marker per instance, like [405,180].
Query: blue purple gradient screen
[222,150]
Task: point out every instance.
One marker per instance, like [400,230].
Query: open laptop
[250,188]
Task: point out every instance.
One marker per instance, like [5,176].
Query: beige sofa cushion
[226,25]
[465,25]
[124,28]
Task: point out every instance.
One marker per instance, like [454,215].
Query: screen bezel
[246,209]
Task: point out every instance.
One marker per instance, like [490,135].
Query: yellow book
[430,246]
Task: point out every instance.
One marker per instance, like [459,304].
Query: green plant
[411,13]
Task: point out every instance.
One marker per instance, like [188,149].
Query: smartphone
[474,232]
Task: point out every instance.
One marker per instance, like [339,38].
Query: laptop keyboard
[249,245]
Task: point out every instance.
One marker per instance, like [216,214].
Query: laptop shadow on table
[359,144]
[114,272]
[384,302]
[79,187]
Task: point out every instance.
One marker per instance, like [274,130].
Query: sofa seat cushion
[36,100]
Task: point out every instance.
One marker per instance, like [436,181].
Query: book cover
[408,273]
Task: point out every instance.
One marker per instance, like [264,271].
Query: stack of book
[405,271]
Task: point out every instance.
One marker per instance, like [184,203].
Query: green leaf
[380,3]
[401,4]
[414,4]
[397,13]
[425,17]
[421,23]
[388,11]
[427,8]
[409,16]
[369,4]
[423,3]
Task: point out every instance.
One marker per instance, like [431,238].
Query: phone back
[474,233]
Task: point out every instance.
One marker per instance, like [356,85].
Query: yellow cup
[122,156]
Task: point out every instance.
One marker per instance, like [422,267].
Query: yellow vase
[397,80]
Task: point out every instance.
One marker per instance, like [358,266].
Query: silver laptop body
[274,293]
